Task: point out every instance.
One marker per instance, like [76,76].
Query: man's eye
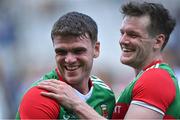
[79,51]
[133,35]
[61,52]
[121,32]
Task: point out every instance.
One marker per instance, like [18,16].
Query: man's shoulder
[50,75]
[101,91]
[97,82]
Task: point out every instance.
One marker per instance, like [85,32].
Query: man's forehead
[141,20]
[135,22]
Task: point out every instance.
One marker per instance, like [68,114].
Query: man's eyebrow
[59,49]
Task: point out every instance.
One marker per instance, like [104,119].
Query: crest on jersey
[104,110]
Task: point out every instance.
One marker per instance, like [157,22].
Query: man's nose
[124,39]
[70,58]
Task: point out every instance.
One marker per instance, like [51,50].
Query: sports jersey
[33,105]
[155,88]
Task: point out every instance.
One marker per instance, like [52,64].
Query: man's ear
[160,39]
[96,49]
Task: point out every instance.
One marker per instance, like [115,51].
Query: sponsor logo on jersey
[120,110]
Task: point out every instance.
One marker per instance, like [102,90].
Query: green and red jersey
[33,105]
[155,88]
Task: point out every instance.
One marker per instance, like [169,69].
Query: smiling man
[154,93]
[75,43]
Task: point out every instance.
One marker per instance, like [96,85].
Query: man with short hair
[75,43]
[154,93]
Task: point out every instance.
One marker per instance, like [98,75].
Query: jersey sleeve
[155,88]
[36,106]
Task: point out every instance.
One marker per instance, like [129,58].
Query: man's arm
[140,112]
[65,96]
[84,111]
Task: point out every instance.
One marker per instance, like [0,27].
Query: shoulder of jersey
[50,75]
[161,66]
[99,82]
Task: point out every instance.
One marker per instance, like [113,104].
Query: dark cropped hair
[75,24]
[161,21]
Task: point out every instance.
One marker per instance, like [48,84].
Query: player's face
[74,57]
[135,42]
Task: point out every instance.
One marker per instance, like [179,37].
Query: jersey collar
[152,64]
[59,76]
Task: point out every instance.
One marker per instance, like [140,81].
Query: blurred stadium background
[26,51]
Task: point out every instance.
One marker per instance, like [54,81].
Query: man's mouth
[124,49]
[71,68]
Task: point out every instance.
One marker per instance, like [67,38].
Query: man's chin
[71,81]
[126,61]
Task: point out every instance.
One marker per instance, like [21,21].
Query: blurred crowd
[26,50]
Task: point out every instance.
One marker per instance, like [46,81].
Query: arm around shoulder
[84,111]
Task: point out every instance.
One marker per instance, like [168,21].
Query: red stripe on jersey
[59,75]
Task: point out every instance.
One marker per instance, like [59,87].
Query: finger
[55,81]
[48,88]
[52,81]
[48,83]
[50,95]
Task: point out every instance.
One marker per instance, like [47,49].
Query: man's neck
[151,63]
[83,88]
